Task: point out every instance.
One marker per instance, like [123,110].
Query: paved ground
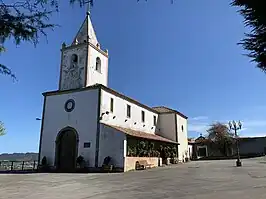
[204,180]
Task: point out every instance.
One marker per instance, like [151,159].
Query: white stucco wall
[83,118]
[93,76]
[91,32]
[120,113]
[202,147]
[166,126]
[111,144]
[182,137]
[190,151]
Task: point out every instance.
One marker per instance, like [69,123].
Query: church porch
[136,146]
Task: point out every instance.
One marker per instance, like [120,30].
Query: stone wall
[130,162]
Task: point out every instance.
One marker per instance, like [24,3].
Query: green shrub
[44,161]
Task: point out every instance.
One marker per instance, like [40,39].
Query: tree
[2,129]
[254,42]
[27,20]
[221,136]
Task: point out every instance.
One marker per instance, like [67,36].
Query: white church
[85,117]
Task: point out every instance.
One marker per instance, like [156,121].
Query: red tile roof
[140,134]
[200,139]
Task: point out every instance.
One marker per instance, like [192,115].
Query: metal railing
[18,165]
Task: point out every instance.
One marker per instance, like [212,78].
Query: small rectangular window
[87,144]
[112,105]
[128,111]
[154,120]
[142,116]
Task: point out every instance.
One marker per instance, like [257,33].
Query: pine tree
[2,129]
[254,13]
[27,20]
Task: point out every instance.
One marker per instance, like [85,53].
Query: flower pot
[107,168]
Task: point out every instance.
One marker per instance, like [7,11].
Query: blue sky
[182,55]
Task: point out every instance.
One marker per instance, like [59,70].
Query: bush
[107,166]
[44,167]
[144,148]
[107,161]
[132,151]
[44,161]
[80,161]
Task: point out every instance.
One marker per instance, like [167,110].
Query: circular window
[69,105]
[182,128]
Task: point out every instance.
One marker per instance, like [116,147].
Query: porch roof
[141,134]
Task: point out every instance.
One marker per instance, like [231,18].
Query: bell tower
[83,63]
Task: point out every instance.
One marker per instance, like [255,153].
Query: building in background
[85,117]
[203,148]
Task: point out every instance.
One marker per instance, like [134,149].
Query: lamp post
[233,125]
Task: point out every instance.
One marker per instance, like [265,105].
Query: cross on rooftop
[90,4]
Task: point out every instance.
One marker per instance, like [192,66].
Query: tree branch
[2,129]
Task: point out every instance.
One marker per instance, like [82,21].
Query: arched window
[98,64]
[74,59]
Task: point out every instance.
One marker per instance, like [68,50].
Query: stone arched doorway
[66,150]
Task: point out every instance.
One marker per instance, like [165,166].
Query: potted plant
[44,161]
[186,156]
[80,161]
[44,164]
[107,166]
